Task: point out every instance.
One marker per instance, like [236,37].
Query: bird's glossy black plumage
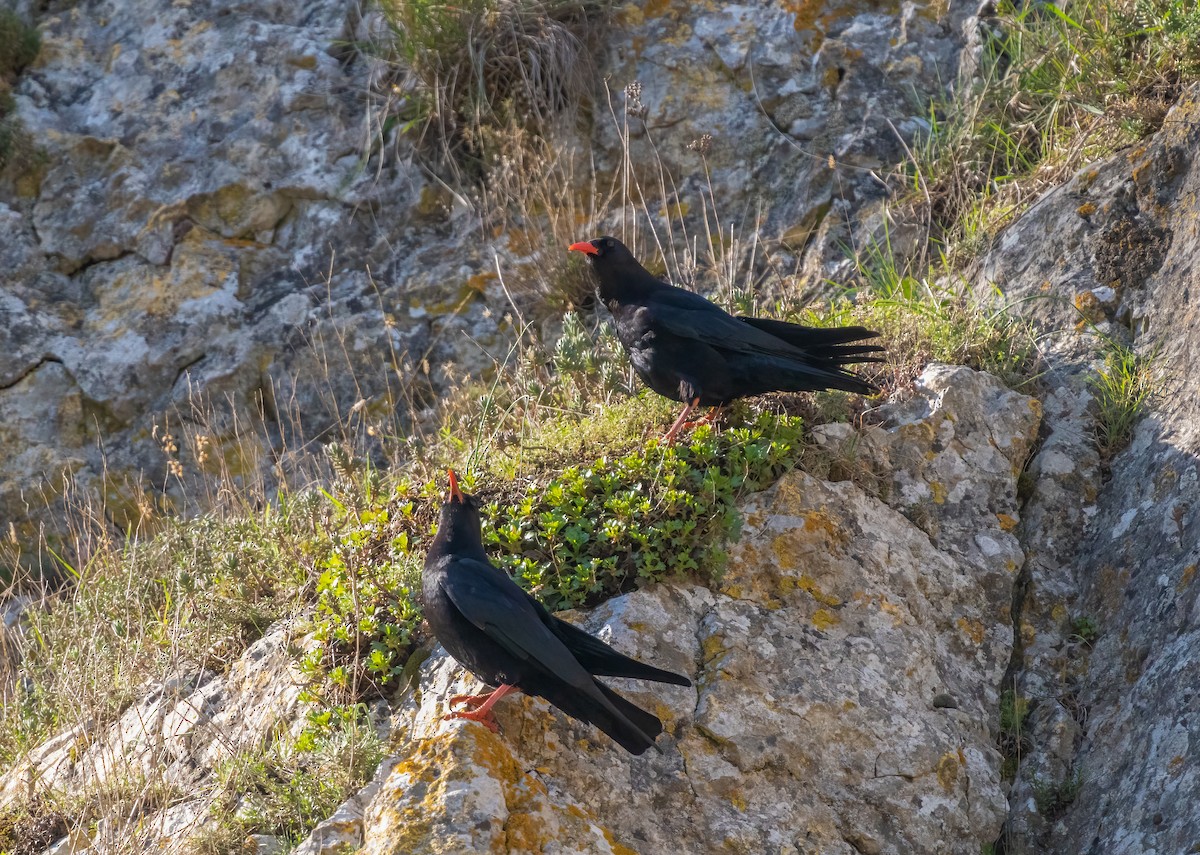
[689,349]
[507,638]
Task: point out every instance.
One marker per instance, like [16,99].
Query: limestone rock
[175,735]
[1109,612]
[802,101]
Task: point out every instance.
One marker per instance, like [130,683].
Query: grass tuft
[1121,393]
[471,72]
[1056,86]
[19,43]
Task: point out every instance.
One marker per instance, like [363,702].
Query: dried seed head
[703,145]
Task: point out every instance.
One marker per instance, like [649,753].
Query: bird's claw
[471,701]
[484,718]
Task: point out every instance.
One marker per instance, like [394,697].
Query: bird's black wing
[494,604]
[690,316]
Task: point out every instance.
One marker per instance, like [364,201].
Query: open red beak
[455,493]
[584,246]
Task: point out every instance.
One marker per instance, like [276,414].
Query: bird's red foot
[707,419]
[481,707]
[470,701]
[483,716]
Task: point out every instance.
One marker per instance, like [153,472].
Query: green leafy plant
[651,513]
[1085,630]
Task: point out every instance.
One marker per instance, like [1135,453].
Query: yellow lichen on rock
[824,619]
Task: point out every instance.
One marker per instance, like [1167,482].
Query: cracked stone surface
[1110,603]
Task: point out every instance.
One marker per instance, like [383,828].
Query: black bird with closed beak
[506,638]
[691,350]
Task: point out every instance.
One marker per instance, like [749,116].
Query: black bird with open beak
[507,639]
[691,350]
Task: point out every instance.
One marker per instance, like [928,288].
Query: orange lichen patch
[1185,578]
[938,490]
[712,647]
[786,547]
[807,13]
[479,282]
[823,619]
[847,706]
[616,847]
[890,608]
[1090,307]
[1007,522]
[738,800]
[1086,209]
[947,770]
[1143,172]
[821,521]
[307,62]
[972,629]
[1059,612]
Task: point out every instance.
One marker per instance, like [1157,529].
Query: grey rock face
[1108,620]
[206,252]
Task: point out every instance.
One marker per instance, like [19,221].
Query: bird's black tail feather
[629,725]
[601,660]
[837,344]
[827,349]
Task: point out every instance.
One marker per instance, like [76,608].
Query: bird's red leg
[705,420]
[483,712]
[669,436]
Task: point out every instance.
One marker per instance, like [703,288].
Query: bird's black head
[459,523]
[606,248]
[614,265]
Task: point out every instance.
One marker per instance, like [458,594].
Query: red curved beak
[584,246]
[455,493]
